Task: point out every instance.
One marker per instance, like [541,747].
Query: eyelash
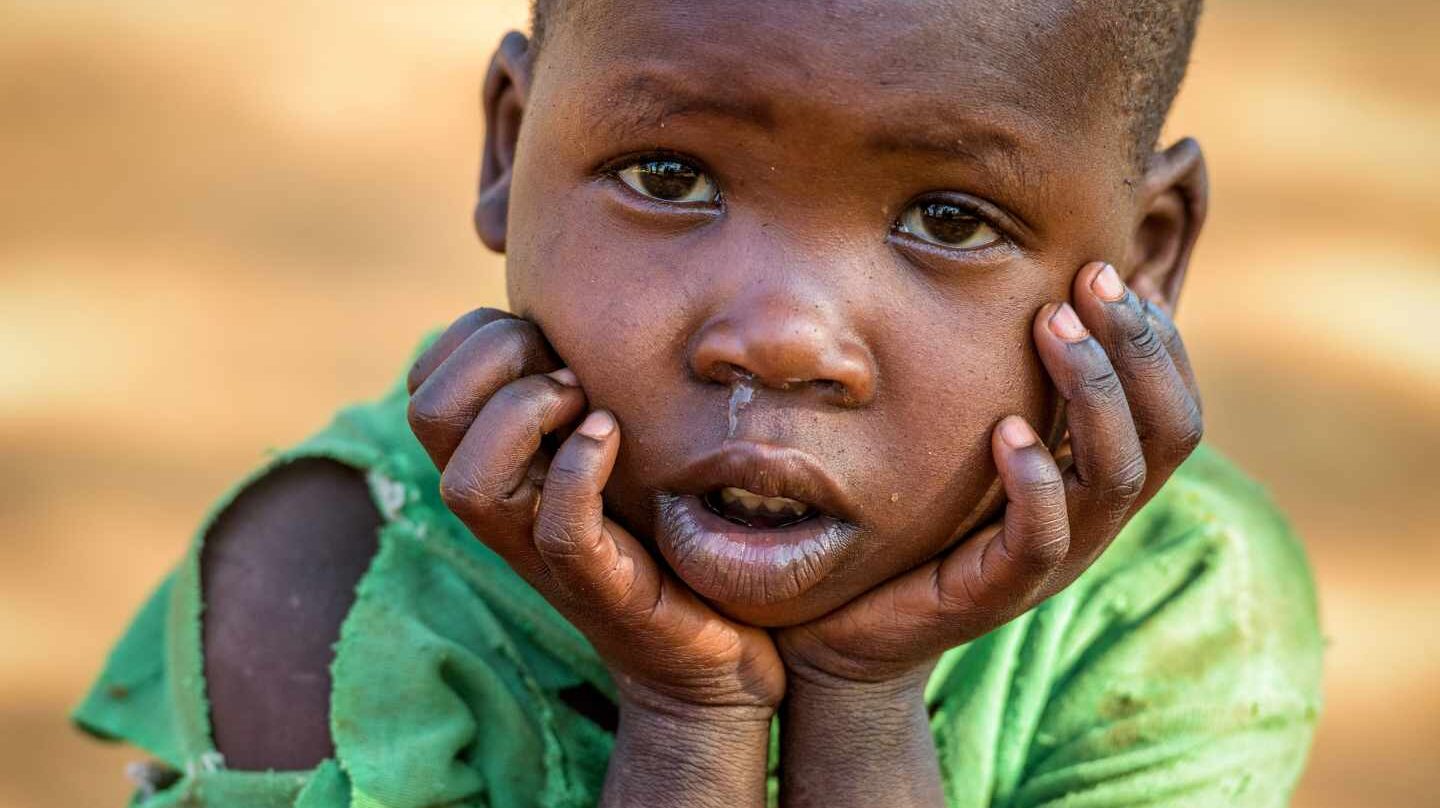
[984,214]
[612,170]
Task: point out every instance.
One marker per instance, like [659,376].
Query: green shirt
[1182,669]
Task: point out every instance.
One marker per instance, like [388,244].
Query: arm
[278,571]
[849,743]
[679,755]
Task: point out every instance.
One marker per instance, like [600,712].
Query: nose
[784,345]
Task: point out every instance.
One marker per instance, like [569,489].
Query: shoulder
[1214,529]
[1191,658]
[1209,572]
[279,567]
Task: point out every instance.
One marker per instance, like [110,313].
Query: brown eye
[669,180]
[947,225]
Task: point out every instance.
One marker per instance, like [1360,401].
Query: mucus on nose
[741,391]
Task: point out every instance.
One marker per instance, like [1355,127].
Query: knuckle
[1144,344]
[559,534]
[1044,548]
[1194,430]
[1174,438]
[469,496]
[428,418]
[517,341]
[458,493]
[1191,432]
[1101,383]
[479,320]
[566,474]
[481,317]
[1044,487]
[1128,480]
[522,393]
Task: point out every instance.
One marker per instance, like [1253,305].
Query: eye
[669,180]
[947,225]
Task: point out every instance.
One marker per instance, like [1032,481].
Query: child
[856,312]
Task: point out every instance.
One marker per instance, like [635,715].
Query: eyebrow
[649,98]
[972,142]
[646,98]
[975,145]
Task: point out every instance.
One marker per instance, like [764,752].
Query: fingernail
[1016,433]
[1107,285]
[1066,325]
[597,425]
[565,376]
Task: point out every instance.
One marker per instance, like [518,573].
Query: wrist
[848,743]
[674,752]
[851,680]
[657,706]
[827,698]
[697,732]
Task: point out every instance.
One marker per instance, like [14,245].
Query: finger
[456,333]
[605,581]
[1000,576]
[1167,420]
[487,482]
[588,562]
[1108,471]
[443,407]
[1164,325]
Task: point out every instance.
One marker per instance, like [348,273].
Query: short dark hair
[1151,39]
[1154,41]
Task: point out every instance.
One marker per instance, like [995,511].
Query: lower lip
[730,563]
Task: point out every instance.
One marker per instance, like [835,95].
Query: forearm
[705,757]
[847,744]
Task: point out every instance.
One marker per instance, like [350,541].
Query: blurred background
[219,221]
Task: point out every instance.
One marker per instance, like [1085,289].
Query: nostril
[728,373]
[774,350]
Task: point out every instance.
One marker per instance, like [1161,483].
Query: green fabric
[1182,669]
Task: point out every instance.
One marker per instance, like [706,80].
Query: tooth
[749,500]
[776,504]
[795,508]
[729,495]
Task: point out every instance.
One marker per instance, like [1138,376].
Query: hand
[1134,416]
[482,399]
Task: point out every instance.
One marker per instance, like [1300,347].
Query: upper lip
[767,470]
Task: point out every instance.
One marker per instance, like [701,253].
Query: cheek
[615,329]
[575,275]
[948,384]
[617,321]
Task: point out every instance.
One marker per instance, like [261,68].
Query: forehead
[1025,63]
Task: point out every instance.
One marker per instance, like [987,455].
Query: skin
[936,383]
[279,569]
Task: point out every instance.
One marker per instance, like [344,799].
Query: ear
[1174,197]
[507,85]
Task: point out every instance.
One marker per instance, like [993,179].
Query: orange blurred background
[220,221]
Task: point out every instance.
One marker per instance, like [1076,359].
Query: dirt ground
[182,186]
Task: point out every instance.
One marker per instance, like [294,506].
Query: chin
[780,615]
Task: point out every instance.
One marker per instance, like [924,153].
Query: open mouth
[744,507]
[750,524]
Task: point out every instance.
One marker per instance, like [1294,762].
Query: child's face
[796,248]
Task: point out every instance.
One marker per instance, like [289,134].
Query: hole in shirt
[589,702]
